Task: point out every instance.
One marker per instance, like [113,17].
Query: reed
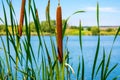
[21,17]
[46,66]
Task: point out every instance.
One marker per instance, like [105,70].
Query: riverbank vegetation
[71,30]
[23,61]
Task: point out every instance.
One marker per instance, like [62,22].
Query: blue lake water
[89,47]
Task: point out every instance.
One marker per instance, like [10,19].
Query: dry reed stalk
[47,8]
[59,33]
[21,17]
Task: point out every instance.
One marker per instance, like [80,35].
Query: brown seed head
[59,33]
[21,17]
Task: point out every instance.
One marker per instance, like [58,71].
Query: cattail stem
[21,17]
[59,33]
[58,2]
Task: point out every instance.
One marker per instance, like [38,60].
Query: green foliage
[109,30]
[25,63]
[45,26]
[94,30]
[2,28]
[74,27]
[89,28]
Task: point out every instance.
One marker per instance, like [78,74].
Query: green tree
[94,30]
[46,28]
[32,27]
[2,28]
[89,28]
[109,29]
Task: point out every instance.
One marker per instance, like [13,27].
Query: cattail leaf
[103,65]
[54,52]
[116,34]
[43,68]
[116,78]
[80,35]
[34,6]
[21,71]
[48,13]
[81,11]
[32,52]
[78,70]
[29,5]
[2,68]
[47,52]
[1,20]
[11,7]
[65,24]
[7,37]
[97,14]
[111,70]
[83,68]
[98,45]
[95,58]
[11,17]
[107,64]
[100,65]
[53,66]
[35,16]
[15,48]
[6,56]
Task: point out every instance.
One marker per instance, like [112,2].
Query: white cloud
[102,9]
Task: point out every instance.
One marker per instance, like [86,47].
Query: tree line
[44,26]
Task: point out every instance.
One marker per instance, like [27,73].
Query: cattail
[21,17]
[59,33]
[47,9]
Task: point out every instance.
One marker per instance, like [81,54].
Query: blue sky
[109,11]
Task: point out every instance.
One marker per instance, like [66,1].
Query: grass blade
[116,34]
[83,67]
[116,78]
[65,24]
[48,14]
[7,37]
[98,45]
[6,57]
[103,65]
[1,20]
[78,71]
[100,65]
[80,36]
[110,71]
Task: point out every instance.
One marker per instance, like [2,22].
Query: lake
[89,47]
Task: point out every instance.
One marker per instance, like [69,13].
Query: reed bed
[46,66]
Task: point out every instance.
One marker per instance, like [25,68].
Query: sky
[109,11]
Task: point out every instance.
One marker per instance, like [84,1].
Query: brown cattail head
[21,17]
[59,33]
[47,10]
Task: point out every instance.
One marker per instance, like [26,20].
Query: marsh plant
[41,64]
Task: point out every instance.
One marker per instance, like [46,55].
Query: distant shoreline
[35,34]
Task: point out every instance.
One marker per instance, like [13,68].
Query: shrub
[94,30]
[109,30]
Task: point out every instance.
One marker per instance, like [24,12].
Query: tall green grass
[26,66]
